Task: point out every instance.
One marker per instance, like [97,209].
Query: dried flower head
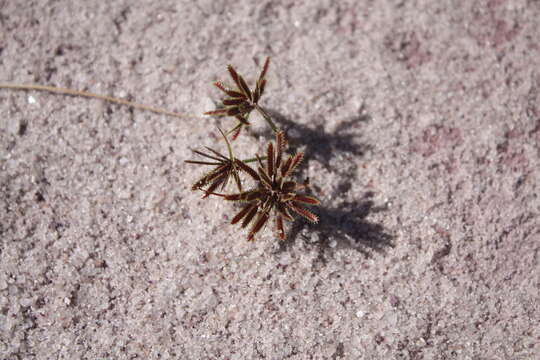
[240,102]
[275,192]
[225,168]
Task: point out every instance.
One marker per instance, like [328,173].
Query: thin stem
[253,160]
[234,128]
[202,162]
[228,144]
[208,156]
[266,117]
[95,96]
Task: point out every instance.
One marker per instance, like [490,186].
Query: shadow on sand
[320,144]
[344,224]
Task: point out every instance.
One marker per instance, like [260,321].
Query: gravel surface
[421,126]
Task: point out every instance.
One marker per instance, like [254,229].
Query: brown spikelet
[234,111]
[250,215]
[209,177]
[279,226]
[233,101]
[286,167]
[264,69]
[261,82]
[231,93]
[257,226]
[270,159]
[248,196]
[240,82]
[296,160]
[236,131]
[242,213]
[218,112]
[303,212]
[247,169]
[215,184]
[306,200]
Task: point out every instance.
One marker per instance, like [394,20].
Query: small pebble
[394,300]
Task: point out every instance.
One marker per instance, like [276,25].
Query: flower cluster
[275,192]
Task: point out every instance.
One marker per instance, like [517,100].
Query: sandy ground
[421,123]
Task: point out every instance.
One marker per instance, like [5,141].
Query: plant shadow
[343,226]
[322,145]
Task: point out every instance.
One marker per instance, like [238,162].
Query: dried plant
[240,102]
[275,191]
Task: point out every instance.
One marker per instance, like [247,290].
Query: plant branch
[266,117]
